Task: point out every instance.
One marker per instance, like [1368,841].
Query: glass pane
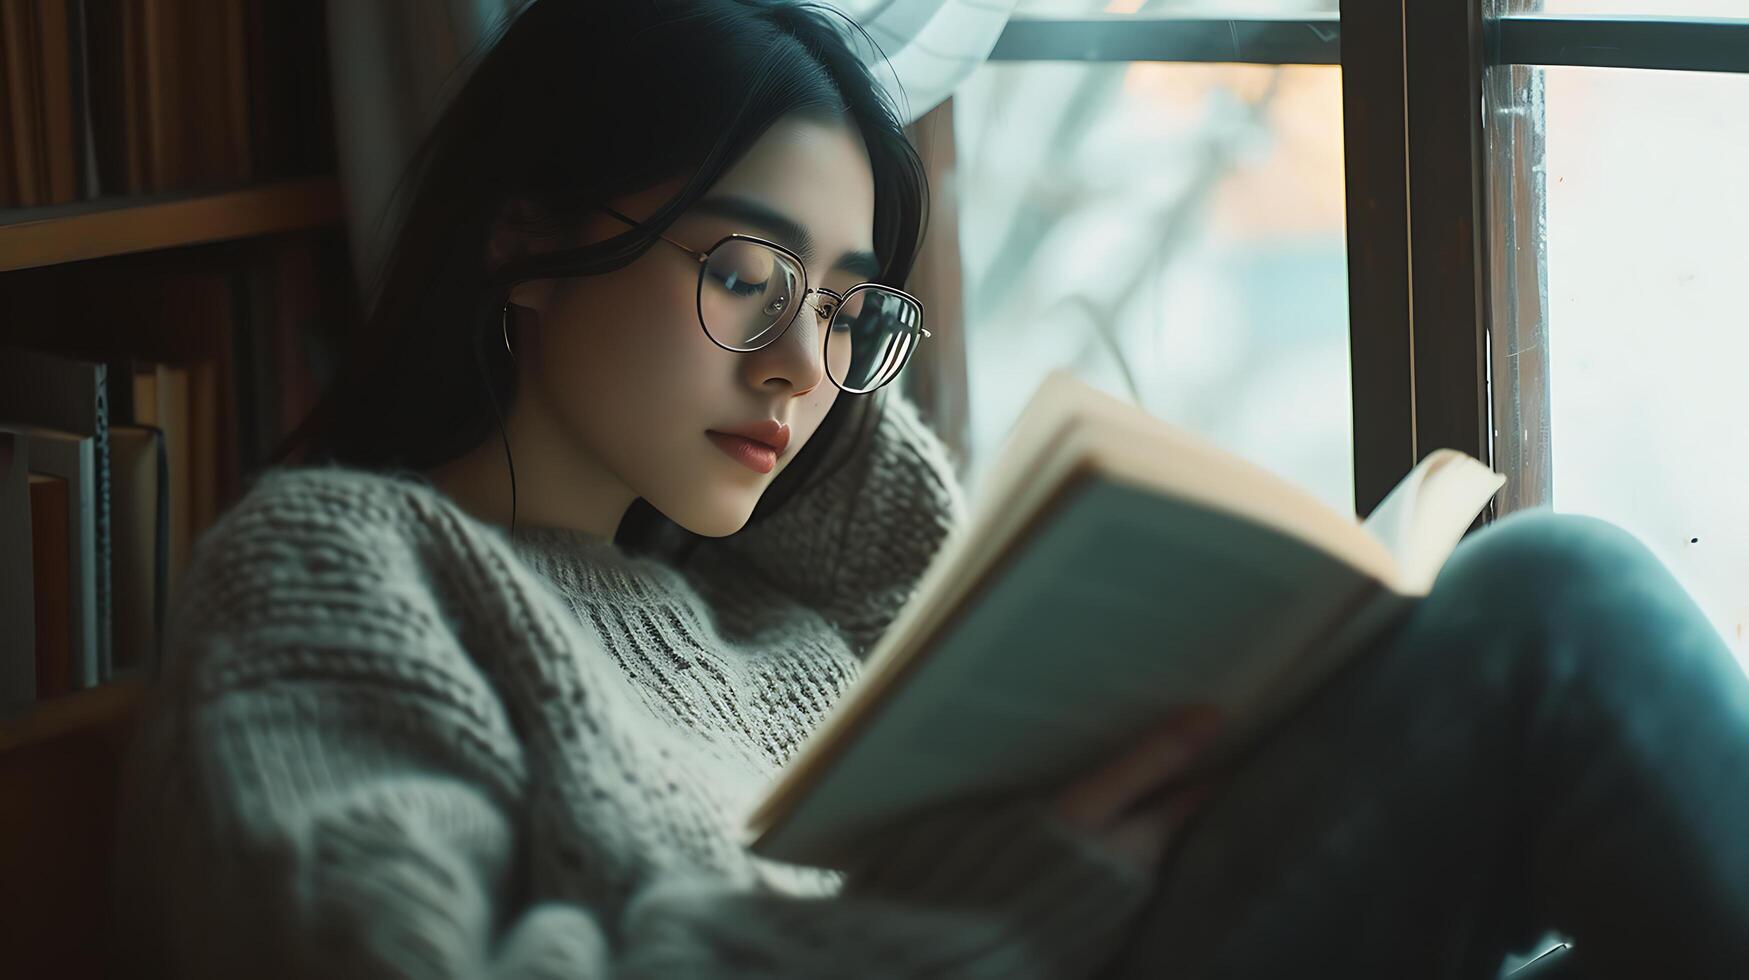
[1651,8]
[1649,317]
[1178,227]
[1176,8]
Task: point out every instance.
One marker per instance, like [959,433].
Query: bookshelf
[99,228]
[109,705]
[169,202]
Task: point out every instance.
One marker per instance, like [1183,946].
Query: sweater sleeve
[328,783]
[854,544]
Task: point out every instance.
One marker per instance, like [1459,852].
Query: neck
[556,486]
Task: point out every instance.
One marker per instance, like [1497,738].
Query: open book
[1114,568]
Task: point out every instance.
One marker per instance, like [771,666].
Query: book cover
[73,457]
[1114,569]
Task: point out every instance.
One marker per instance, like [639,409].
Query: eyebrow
[786,230]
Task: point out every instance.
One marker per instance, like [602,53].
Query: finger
[1145,836]
[1140,841]
[1181,806]
[1093,801]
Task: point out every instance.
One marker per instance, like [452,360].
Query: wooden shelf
[97,707]
[117,226]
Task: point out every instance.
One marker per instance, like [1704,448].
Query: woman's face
[623,382]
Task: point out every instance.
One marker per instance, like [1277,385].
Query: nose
[797,358]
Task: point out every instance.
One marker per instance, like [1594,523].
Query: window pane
[1651,8]
[1187,217]
[1649,317]
[1176,8]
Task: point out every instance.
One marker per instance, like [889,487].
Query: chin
[712,519]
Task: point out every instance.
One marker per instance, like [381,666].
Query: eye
[733,281]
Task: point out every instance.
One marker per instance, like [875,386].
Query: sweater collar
[562,541]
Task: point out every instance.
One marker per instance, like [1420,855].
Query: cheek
[619,369]
[621,345]
[807,415]
[633,382]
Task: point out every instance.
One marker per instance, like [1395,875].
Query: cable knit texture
[392,740]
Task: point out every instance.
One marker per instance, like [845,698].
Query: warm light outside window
[1171,230]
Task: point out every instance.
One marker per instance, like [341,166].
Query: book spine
[90,181]
[87,669]
[24,139]
[55,79]
[103,531]
[17,596]
[52,601]
[73,458]
[160,557]
[133,453]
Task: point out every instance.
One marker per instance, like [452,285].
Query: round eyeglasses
[751,290]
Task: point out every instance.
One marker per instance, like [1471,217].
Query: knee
[1561,597]
[1548,557]
[1579,584]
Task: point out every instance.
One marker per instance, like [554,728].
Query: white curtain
[932,45]
[391,63]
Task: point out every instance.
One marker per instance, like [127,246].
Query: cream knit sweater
[391,740]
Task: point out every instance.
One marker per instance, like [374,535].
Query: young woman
[615,492]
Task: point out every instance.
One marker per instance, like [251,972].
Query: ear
[532,294]
[506,244]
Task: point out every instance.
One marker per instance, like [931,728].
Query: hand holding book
[1115,806]
[1114,569]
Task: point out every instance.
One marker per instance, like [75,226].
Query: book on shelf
[17,610]
[50,603]
[36,553]
[72,457]
[56,392]
[278,354]
[140,479]
[1114,567]
[201,368]
[51,584]
[133,97]
[38,117]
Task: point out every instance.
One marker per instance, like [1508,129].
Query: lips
[768,432]
[756,456]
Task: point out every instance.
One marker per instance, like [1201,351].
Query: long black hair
[564,105]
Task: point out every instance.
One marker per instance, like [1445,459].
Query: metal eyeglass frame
[824,315]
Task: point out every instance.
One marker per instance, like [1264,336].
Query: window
[1649,8]
[1173,233]
[1648,317]
[1619,349]
[1152,193]
[1222,8]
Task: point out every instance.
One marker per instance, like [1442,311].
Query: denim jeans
[1555,740]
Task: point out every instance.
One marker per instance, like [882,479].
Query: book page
[1422,519]
[1126,441]
[1192,576]
[1124,606]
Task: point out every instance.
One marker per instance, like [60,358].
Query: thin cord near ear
[485,379]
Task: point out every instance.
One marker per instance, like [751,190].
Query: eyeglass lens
[748,294]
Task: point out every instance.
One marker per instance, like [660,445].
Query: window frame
[1447,293]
